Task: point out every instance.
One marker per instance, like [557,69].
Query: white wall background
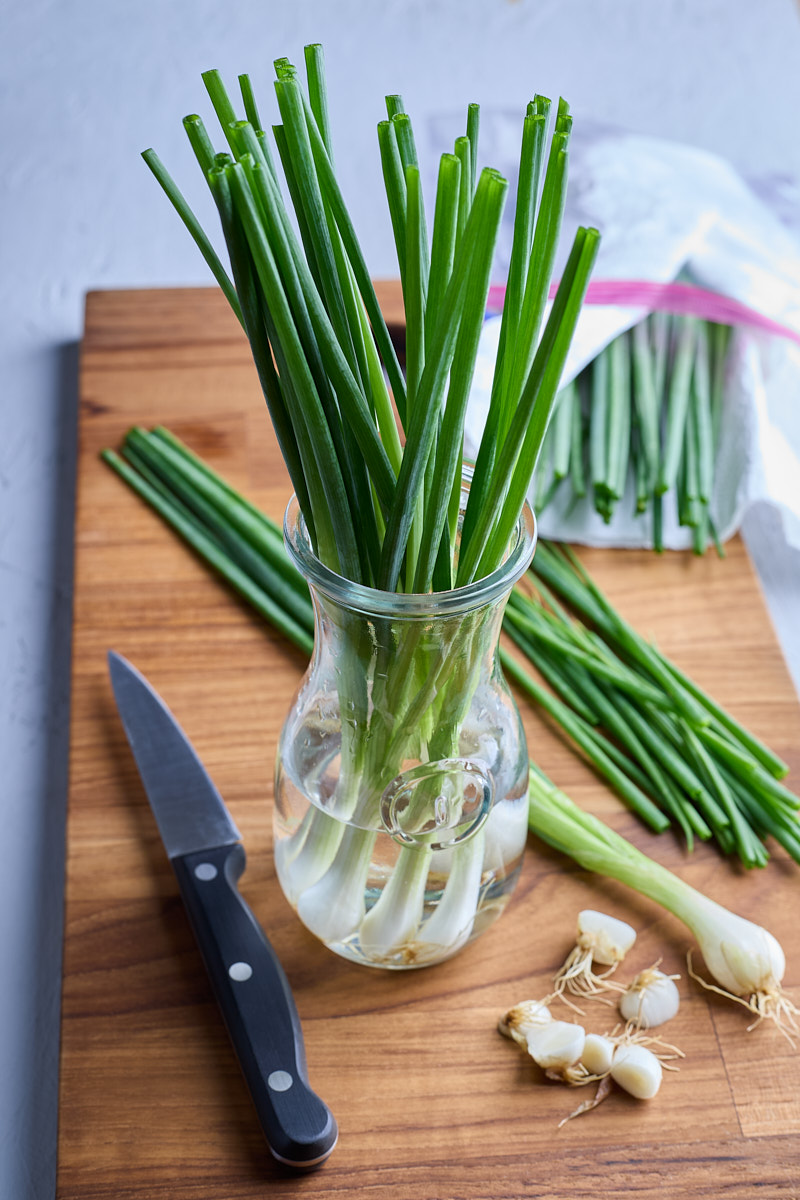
[85,86]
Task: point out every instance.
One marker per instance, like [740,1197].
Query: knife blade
[251,988]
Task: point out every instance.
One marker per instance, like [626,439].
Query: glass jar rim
[374,601]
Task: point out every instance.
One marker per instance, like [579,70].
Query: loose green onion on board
[644,418]
[670,752]
[674,756]
[746,961]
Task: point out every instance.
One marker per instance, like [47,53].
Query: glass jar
[401,783]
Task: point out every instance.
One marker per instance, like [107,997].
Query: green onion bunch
[647,409]
[670,752]
[375,460]
[380,499]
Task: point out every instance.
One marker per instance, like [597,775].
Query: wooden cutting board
[431,1101]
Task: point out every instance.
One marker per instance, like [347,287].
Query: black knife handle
[257,1004]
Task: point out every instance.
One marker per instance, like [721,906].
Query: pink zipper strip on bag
[679,298]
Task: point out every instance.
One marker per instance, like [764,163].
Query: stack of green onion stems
[673,755]
[667,748]
[381,503]
[228,532]
[645,412]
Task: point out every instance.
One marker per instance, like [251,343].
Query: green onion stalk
[383,505]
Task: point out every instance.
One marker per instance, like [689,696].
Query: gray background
[86,85]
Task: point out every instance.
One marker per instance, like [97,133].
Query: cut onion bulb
[637,1070]
[598,1054]
[650,999]
[557,1048]
[600,939]
[520,1020]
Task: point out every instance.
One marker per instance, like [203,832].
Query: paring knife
[204,847]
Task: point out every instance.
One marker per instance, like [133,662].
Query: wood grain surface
[431,1101]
